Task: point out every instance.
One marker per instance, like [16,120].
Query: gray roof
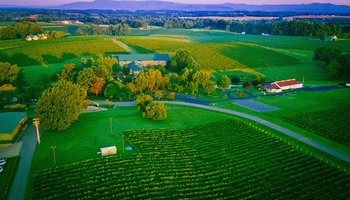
[134,67]
[9,121]
[142,57]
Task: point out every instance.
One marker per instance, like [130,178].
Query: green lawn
[7,176]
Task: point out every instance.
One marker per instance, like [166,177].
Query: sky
[60,2]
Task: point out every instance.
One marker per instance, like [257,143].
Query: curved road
[276,127]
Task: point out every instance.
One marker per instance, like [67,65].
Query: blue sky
[59,2]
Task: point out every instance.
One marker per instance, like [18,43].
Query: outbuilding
[10,124]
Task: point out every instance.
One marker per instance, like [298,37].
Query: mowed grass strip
[56,52]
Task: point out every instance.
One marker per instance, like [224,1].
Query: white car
[2,162]
[1,169]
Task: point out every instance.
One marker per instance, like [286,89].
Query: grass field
[7,176]
[230,159]
[25,53]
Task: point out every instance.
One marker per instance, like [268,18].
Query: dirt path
[123,45]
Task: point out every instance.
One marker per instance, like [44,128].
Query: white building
[280,86]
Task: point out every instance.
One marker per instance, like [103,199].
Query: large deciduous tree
[181,60]
[149,108]
[224,82]
[60,105]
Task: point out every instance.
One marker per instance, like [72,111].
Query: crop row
[229,159]
[332,124]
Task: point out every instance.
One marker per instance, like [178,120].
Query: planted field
[56,51]
[332,123]
[229,159]
[222,56]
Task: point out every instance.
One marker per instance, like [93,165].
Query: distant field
[25,53]
[221,56]
[68,29]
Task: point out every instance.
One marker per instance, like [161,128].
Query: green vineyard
[332,124]
[230,159]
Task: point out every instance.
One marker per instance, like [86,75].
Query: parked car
[2,162]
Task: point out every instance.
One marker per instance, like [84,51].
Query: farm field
[230,159]
[327,117]
[92,131]
[220,56]
[25,53]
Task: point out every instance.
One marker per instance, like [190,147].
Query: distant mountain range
[324,8]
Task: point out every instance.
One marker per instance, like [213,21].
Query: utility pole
[54,154]
[36,123]
[110,125]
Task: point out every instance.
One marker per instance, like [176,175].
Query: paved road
[19,184]
[276,127]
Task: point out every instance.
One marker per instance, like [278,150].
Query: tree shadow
[18,59]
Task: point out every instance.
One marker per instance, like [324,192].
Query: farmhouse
[280,86]
[143,60]
[11,123]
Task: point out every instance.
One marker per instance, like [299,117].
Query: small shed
[106,151]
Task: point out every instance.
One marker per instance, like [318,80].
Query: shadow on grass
[19,59]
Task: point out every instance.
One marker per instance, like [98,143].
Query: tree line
[118,29]
[336,62]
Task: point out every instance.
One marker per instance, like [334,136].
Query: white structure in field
[36,37]
[280,86]
[106,151]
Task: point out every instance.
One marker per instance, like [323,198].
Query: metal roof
[142,57]
[9,121]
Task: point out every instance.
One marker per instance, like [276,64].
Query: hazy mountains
[166,5]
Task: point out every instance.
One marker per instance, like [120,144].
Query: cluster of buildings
[37,37]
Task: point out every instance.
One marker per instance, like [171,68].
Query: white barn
[280,86]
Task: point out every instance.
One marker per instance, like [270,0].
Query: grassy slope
[55,51]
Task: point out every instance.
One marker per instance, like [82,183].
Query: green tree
[159,95]
[209,88]
[60,105]
[181,60]
[86,78]
[8,73]
[333,69]
[224,82]
[149,108]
